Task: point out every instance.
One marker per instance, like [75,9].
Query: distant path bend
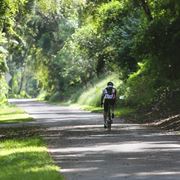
[84,150]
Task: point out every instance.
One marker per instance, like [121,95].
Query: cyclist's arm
[115,95]
[102,97]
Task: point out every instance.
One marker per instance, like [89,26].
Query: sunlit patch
[157,173]
[78,170]
[131,146]
[146,174]
[43,168]
[22,150]
[26,158]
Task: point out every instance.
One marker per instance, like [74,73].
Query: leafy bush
[92,95]
[140,86]
[56,97]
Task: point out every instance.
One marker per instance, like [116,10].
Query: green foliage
[56,97]
[117,29]
[57,47]
[92,95]
[124,111]
[3,90]
[109,13]
[141,86]
[3,54]
[166,53]
[78,58]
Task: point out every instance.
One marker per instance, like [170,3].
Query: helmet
[110,84]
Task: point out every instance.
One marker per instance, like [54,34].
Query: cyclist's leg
[105,117]
[112,108]
[105,112]
[111,111]
[109,121]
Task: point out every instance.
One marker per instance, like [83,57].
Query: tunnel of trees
[56,47]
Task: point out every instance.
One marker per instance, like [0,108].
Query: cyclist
[108,98]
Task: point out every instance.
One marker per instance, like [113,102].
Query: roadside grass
[92,95]
[26,159]
[90,99]
[92,109]
[23,153]
[12,114]
[119,112]
[124,111]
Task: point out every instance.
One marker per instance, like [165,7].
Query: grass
[92,95]
[119,112]
[26,159]
[124,111]
[92,108]
[90,99]
[23,153]
[11,114]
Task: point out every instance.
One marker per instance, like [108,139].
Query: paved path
[85,151]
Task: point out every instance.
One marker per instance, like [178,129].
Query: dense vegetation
[56,48]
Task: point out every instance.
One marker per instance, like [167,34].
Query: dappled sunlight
[120,58]
[8,117]
[79,144]
[135,152]
[13,115]
[145,175]
[7,152]
[42,168]
[129,146]
[157,173]
[74,170]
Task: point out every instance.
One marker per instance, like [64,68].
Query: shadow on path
[86,151]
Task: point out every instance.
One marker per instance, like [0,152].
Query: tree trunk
[145,6]
[23,69]
[21,82]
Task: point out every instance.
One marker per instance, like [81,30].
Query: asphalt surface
[84,150]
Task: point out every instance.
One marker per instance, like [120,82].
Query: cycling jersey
[109,93]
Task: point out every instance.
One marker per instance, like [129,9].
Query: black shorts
[108,102]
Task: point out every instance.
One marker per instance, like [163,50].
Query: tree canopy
[55,47]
